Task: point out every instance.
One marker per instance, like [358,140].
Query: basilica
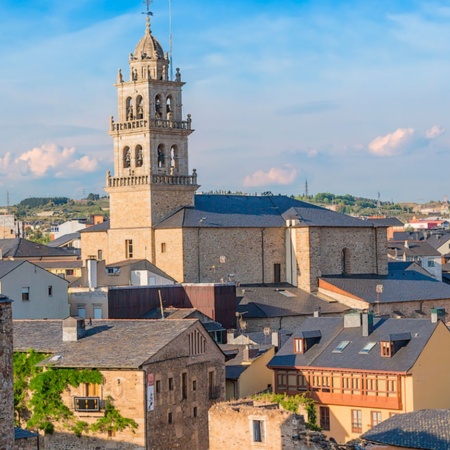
[156,215]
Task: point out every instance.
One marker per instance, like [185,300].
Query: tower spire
[148,13]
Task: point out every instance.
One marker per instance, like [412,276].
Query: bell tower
[151,174]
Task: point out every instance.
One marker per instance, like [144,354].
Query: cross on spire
[148,3]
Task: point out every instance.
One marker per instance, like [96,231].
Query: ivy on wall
[38,401]
[292,403]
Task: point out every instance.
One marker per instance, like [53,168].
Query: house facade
[361,372]
[37,293]
[165,381]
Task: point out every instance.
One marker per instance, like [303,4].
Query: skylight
[367,348]
[341,346]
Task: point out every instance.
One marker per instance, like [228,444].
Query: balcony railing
[140,180]
[86,404]
[154,123]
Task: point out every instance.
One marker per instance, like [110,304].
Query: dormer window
[299,345]
[386,349]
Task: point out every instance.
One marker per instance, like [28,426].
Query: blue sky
[351,95]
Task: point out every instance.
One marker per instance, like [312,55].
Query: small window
[194,385]
[92,390]
[257,431]
[375,417]
[325,418]
[431,263]
[386,349]
[170,384]
[82,312]
[112,270]
[158,386]
[340,348]
[170,418]
[69,272]
[128,248]
[99,255]
[163,247]
[195,411]
[367,348]
[25,294]
[356,421]
[184,385]
[50,291]
[299,345]
[277,273]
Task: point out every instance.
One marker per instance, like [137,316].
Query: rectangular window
[98,312]
[170,384]
[431,263]
[170,418]
[325,418]
[184,385]
[257,431]
[211,386]
[25,294]
[299,345]
[375,418]
[163,247]
[366,349]
[158,386]
[340,348]
[92,390]
[356,421]
[195,411]
[277,273]
[50,291]
[99,255]
[128,248]
[194,385]
[386,349]
[82,312]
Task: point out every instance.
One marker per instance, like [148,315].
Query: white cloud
[434,132]
[274,176]
[392,144]
[49,159]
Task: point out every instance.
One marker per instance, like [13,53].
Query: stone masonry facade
[6,376]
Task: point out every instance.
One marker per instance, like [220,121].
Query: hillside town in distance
[166,318]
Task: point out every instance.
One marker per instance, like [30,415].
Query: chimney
[317,312]
[249,353]
[352,319]
[231,334]
[437,314]
[73,329]
[91,265]
[367,323]
[406,244]
[275,339]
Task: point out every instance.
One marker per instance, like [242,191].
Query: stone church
[155,213]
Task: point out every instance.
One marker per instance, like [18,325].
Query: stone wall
[92,242]
[231,426]
[6,376]
[29,444]
[249,254]
[187,411]
[319,252]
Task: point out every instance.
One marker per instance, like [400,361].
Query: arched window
[158,107]
[174,158]
[129,109]
[138,155]
[161,156]
[139,107]
[169,104]
[345,261]
[126,157]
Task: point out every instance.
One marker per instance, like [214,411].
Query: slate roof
[59,264]
[8,266]
[241,211]
[103,226]
[385,221]
[22,248]
[269,301]
[141,264]
[427,429]
[62,240]
[235,367]
[19,433]
[398,286]
[333,333]
[436,240]
[108,344]
[415,248]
